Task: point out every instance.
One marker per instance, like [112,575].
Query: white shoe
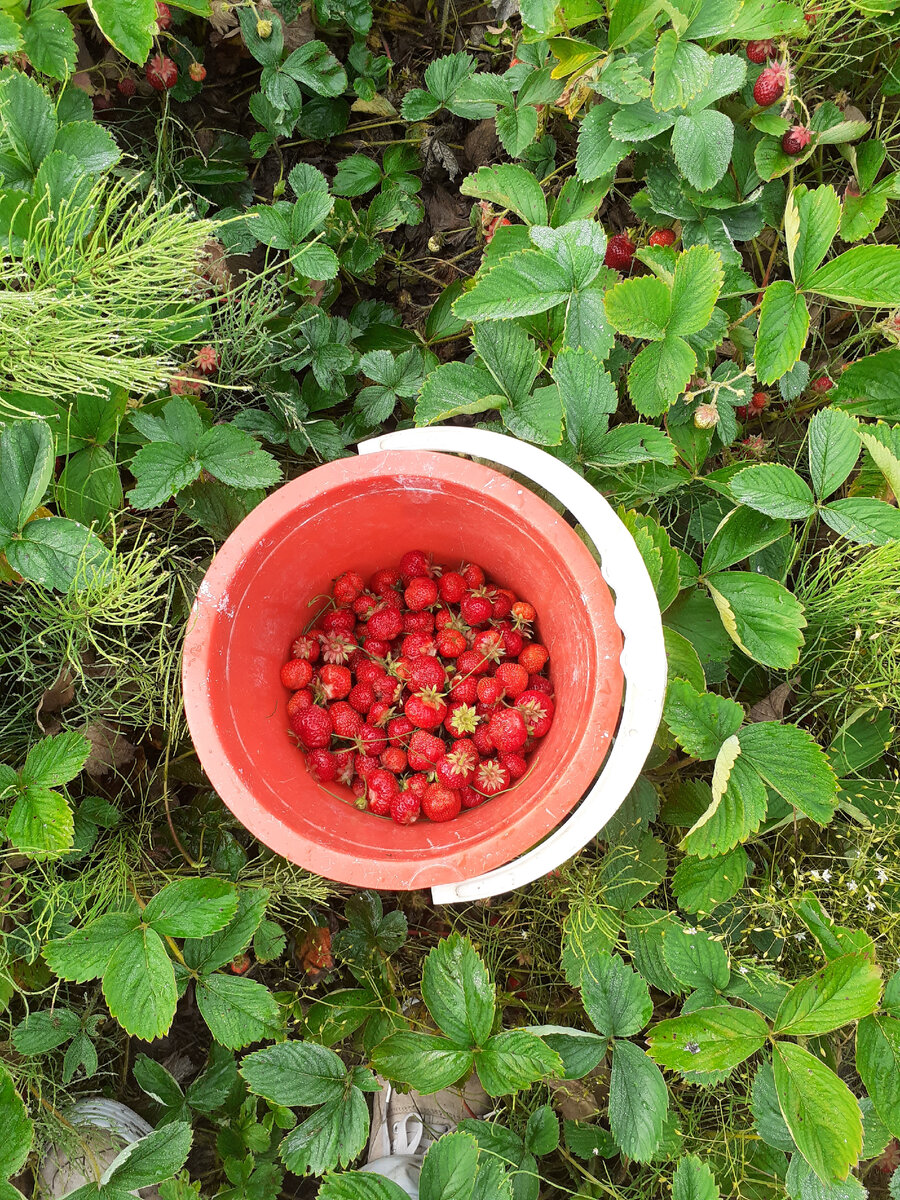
[405,1124]
[104,1128]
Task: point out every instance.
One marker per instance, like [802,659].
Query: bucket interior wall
[364,523]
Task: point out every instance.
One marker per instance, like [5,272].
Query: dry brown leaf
[771,707]
[109,748]
[54,698]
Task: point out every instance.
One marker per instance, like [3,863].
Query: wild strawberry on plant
[770,85]
[206,360]
[661,237]
[759,401]
[796,139]
[758,52]
[619,252]
[126,86]
[197,72]
[163,16]
[161,72]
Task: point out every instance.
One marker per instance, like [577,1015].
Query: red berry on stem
[161,72]
[822,384]
[163,16]
[759,401]
[796,139]
[758,52]
[619,252]
[197,72]
[769,85]
[662,237]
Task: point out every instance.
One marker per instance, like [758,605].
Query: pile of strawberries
[423,691]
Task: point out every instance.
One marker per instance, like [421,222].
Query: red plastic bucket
[363,513]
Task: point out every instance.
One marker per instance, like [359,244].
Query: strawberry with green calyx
[759,52]
[770,85]
[796,139]
[491,777]
[426,709]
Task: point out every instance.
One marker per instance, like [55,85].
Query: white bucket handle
[637,615]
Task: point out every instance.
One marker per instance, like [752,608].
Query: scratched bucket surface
[361,514]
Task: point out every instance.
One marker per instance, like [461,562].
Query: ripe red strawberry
[769,85]
[461,719]
[296,674]
[759,401]
[537,710]
[523,613]
[126,86]
[333,681]
[534,657]
[385,581]
[322,765]
[420,593]
[377,649]
[426,671]
[482,740]
[365,764]
[347,588]
[306,646]
[742,410]
[415,644]
[452,587]
[364,606]
[412,564]
[619,252]
[470,798]
[339,620]
[240,964]
[507,730]
[476,609]
[451,643]
[513,677]
[463,690]
[516,764]
[399,729]
[387,688]
[472,662]
[426,709]
[473,575]
[418,622]
[491,777]
[197,72]
[489,643]
[540,683]
[161,72]
[456,768]
[424,750]
[821,385]
[393,759]
[384,625]
[313,726]
[346,720]
[406,807]
[361,697]
[379,714]
[383,790]
[336,647]
[758,52]
[796,139]
[371,740]
[163,16]
[501,605]
[489,689]
[441,803]
[662,237]
[299,701]
[512,642]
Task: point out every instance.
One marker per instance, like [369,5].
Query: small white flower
[826,875]
[882,875]
[800,937]
[879,857]
[596,1150]
[814,874]
[691,929]
[852,885]
[742,970]
[871,906]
